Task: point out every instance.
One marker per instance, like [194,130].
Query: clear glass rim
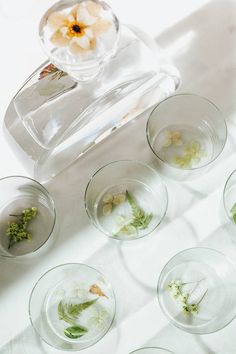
[147,348]
[88,63]
[53,209]
[169,318]
[181,95]
[224,195]
[51,270]
[119,239]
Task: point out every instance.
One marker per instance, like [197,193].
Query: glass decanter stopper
[101,75]
[79,37]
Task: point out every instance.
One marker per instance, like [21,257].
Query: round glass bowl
[229,196]
[126,199]
[151,350]
[27,215]
[186,132]
[197,290]
[79,36]
[72,307]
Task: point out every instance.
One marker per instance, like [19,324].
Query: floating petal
[59,40]
[85,18]
[57,20]
[100,26]
[93,8]
[83,42]
[76,49]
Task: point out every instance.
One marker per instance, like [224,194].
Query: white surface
[201,37]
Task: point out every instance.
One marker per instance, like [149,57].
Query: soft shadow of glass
[223,239]
[141,261]
[28,342]
[180,342]
[12,269]
[202,51]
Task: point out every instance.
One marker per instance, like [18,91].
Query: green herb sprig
[70,313]
[17,231]
[140,219]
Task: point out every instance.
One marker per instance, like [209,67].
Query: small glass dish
[72,307]
[152,350]
[126,199]
[197,290]
[229,197]
[21,195]
[186,132]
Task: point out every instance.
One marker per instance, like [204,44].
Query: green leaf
[75,310]
[233,212]
[233,209]
[60,310]
[75,332]
[141,220]
[137,212]
[71,312]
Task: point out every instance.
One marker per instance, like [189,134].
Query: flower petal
[83,42]
[59,40]
[57,20]
[84,17]
[76,49]
[75,10]
[93,8]
[64,31]
[100,26]
[89,32]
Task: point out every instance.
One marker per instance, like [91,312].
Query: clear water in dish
[96,319]
[40,227]
[189,134]
[202,278]
[145,198]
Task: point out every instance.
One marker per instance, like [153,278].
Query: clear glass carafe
[65,108]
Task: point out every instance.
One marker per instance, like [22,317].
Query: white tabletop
[200,36]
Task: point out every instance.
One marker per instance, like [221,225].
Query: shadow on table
[201,46]
[181,342]
[222,239]
[28,342]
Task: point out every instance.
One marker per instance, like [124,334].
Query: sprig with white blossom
[175,287]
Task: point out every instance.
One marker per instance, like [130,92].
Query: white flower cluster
[176,289]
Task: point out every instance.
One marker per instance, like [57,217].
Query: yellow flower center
[75,29]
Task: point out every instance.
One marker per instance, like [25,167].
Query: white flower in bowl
[79,29]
